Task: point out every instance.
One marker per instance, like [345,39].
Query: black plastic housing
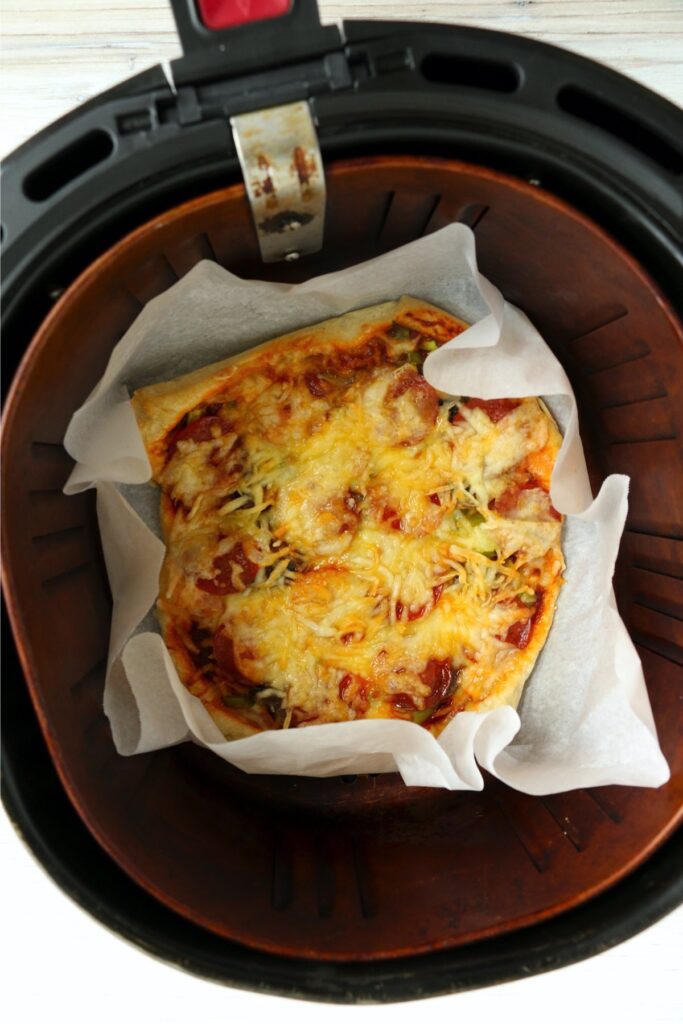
[598,140]
[45,818]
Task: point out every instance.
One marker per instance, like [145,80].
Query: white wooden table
[58,53]
[62,966]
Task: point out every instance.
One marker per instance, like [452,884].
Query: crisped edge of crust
[159,407]
[232,723]
[510,688]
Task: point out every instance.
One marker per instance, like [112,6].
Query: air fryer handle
[207,24]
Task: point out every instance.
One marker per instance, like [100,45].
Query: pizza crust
[162,409]
[510,685]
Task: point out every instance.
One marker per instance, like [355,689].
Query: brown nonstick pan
[355,868]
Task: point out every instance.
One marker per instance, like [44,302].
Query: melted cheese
[374,549]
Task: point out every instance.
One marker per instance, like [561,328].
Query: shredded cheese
[344,534]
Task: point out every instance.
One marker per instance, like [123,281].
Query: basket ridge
[328,867]
[367,899]
[282,879]
[660,603]
[93,676]
[654,644]
[183,256]
[406,217]
[627,384]
[472,215]
[654,534]
[575,822]
[631,357]
[524,824]
[60,536]
[325,881]
[606,805]
[65,574]
[60,551]
[673,572]
[605,317]
[660,392]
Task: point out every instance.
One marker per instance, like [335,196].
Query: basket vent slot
[69,164]
[621,125]
[471,72]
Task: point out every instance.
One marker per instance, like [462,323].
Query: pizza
[344,543]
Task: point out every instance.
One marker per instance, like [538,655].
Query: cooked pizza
[342,541]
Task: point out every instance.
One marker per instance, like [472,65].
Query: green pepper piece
[468,516]
[429,345]
[399,332]
[237,702]
[419,717]
[528,600]
[415,359]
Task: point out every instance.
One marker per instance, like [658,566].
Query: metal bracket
[284,177]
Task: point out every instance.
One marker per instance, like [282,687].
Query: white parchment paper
[584,718]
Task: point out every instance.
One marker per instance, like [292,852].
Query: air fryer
[353,888]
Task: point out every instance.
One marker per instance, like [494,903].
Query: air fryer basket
[353,872]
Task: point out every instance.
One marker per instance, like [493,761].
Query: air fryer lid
[319,863]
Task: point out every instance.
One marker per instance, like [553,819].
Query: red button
[217,14]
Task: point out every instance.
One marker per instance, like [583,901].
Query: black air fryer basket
[571,177]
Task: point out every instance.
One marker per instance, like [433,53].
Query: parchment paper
[584,718]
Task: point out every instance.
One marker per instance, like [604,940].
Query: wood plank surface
[59,53]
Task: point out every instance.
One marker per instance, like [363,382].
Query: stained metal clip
[283,173]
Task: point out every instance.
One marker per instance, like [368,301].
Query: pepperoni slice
[345,362]
[519,633]
[224,657]
[301,717]
[438,676]
[417,613]
[222,583]
[391,516]
[202,429]
[495,408]
[413,613]
[353,690]
[403,702]
[507,503]
[421,394]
